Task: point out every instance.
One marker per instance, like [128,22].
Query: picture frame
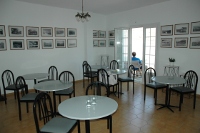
[71,32]
[102,43]
[195,42]
[46,31]
[166,43]
[181,42]
[166,30]
[95,43]
[47,43]
[16,31]
[102,34]
[195,27]
[71,43]
[181,29]
[59,32]
[60,43]
[95,33]
[3,45]
[2,31]
[111,34]
[17,44]
[111,43]
[33,44]
[32,31]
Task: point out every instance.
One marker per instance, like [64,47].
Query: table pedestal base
[87,126]
[166,106]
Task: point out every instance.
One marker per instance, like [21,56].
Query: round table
[35,76]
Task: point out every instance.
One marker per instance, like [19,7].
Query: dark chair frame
[53,74]
[114,65]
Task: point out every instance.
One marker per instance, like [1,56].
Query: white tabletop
[52,85]
[168,80]
[99,67]
[118,71]
[75,108]
[33,76]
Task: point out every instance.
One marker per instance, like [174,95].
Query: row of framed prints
[102,43]
[180,29]
[18,31]
[102,34]
[18,44]
[181,42]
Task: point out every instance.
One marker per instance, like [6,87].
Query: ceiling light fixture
[82,16]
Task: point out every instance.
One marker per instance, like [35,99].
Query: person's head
[134,54]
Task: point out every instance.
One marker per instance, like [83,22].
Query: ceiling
[104,7]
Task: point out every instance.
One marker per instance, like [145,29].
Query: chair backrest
[191,79]
[131,71]
[20,84]
[97,88]
[7,78]
[148,74]
[87,69]
[103,76]
[53,73]
[136,64]
[42,108]
[114,64]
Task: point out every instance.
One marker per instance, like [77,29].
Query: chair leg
[19,106]
[79,129]
[194,103]
[180,102]
[121,87]
[83,82]
[155,96]
[5,96]
[127,86]
[133,88]
[169,95]
[110,123]
[144,93]
[59,99]
[27,107]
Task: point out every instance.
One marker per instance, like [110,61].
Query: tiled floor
[133,115]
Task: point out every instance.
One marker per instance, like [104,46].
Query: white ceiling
[97,6]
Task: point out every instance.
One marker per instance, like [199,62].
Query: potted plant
[171,61]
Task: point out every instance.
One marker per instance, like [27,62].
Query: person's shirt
[136,59]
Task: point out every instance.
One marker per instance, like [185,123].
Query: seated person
[134,58]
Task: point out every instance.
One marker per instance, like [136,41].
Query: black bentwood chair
[53,74]
[114,65]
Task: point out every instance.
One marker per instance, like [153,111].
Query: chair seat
[64,92]
[156,85]
[182,89]
[125,79]
[90,75]
[29,97]
[11,87]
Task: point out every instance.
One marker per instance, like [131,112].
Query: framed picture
[2,31]
[17,44]
[166,42]
[102,43]
[195,42]
[59,32]
[111,34]
[95,43]
[71,32]
[181,42]
[46,31]
[111,43]
[47,43]
[95,33]
[166,30]
[71,43]
[195,27]
[102,34]
[3,45]
[33,43]
[16,31]
[32,31]
[60,43]
[181,29]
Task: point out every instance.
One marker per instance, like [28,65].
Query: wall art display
[33,43]
[59,32]
[47,43]
[71,32]
[181,29]
[3,45]
[60,43]
[181,42]
[2,31]
[195,42]
[102,43]
[95,33]
[95,43]
[17,44]
[32,31]
[46,31]
[111,43]
[102,34]
[71,43]
[195,27]
[166,42]
[16,31]
[111,34]
[166,30]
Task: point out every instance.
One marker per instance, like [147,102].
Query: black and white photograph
[195,27]
[181,29]
[166,30]
[95,33]
[32,31]
[16,31]
[17,44]
[46,31]
[95,43]
[3,45]
[47,43]
[102,43]
[71,32]
[111,43]
[181,42]
[60,43]
[102,34]
[166,42]
[71,43]
[59,32]
[111,34]
[2,31]
[195,42]
[33,44]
